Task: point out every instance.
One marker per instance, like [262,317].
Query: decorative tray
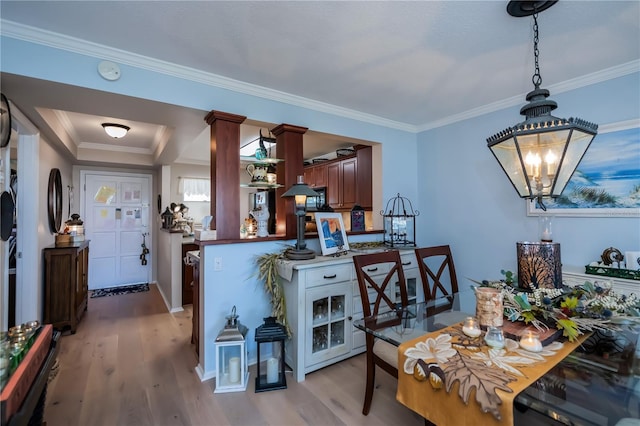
[514,329]
[613,272]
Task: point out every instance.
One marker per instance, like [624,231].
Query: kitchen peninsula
[227,270]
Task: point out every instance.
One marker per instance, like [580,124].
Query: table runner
[477,384]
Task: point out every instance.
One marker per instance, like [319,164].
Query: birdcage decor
[399,223]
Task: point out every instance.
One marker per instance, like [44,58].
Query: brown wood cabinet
[348,180]
[315,176]
[66,269]
[187,274]
[195,328]
[342,183]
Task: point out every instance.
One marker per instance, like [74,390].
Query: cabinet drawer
[328,275]
[409,261]
[373,270]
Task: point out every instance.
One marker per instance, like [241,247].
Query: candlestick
[272,370]
[530,341]
[234,370]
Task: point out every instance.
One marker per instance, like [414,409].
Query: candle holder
[494,337]
[530,340]
[539,265]
[544,228]
[471,327]
[489,307]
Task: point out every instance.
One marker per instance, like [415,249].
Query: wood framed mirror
[54,201]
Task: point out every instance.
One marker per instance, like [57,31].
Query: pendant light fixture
[116,131]
[540,154]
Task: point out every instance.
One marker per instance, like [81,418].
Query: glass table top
[598,384]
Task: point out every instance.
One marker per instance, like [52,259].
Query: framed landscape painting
[607,180]
[331,233]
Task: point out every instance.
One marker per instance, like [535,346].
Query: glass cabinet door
[413,292]
[328,335]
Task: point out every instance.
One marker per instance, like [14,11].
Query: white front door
[116,220]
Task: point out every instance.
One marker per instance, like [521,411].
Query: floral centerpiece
[574,310]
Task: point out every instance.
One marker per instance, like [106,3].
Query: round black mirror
[54,201]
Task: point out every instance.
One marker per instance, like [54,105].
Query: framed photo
[331,233]
[607,180]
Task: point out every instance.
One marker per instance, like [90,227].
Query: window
[194,189]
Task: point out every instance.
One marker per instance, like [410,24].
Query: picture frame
[610,170]
[331,233]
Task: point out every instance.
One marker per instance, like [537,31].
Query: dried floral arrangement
[268,274]
[574,310]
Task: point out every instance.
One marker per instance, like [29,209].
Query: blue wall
[466,200]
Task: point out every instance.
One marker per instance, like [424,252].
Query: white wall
[48,159]
[467,201]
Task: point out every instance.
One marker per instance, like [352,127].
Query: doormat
[114,291]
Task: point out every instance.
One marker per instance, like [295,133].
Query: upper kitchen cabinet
[316,176]
[342,183]
[348,180]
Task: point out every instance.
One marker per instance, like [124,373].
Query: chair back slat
[378,300]
[437,271]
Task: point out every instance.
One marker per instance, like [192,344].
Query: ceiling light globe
[116,131]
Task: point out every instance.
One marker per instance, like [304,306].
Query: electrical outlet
[217,264]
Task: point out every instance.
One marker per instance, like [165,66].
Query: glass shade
[115,130]
[540,159]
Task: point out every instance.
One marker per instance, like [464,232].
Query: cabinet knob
[350,318]
[328,277]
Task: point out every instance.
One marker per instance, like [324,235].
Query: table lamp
[300,191]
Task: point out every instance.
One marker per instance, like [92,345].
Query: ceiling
[408,65]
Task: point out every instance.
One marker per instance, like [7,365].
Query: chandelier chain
[537,78]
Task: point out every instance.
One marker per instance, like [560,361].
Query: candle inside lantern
[529,340]
[272,370]
[234,370]
[471,327]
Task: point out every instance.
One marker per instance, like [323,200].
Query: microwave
[314,203]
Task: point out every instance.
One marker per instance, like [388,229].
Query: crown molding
[83,47]
[575,83]
[114,148]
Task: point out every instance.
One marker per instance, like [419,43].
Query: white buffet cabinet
[323,300]
[574,276]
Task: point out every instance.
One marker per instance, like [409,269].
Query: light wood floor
[131,363]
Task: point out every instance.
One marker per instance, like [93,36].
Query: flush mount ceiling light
[540,154]
[115,130]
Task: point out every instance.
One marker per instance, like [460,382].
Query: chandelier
[540,154]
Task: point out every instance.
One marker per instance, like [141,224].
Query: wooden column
[225,176]
[289,148]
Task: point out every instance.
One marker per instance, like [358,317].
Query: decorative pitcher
[258,173]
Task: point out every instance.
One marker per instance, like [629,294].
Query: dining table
[451,378]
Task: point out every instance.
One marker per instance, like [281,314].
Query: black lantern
[399,223]
[540,154]
[270,334]
[167,219]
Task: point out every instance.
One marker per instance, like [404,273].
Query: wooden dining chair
[379,292]
[439,281]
